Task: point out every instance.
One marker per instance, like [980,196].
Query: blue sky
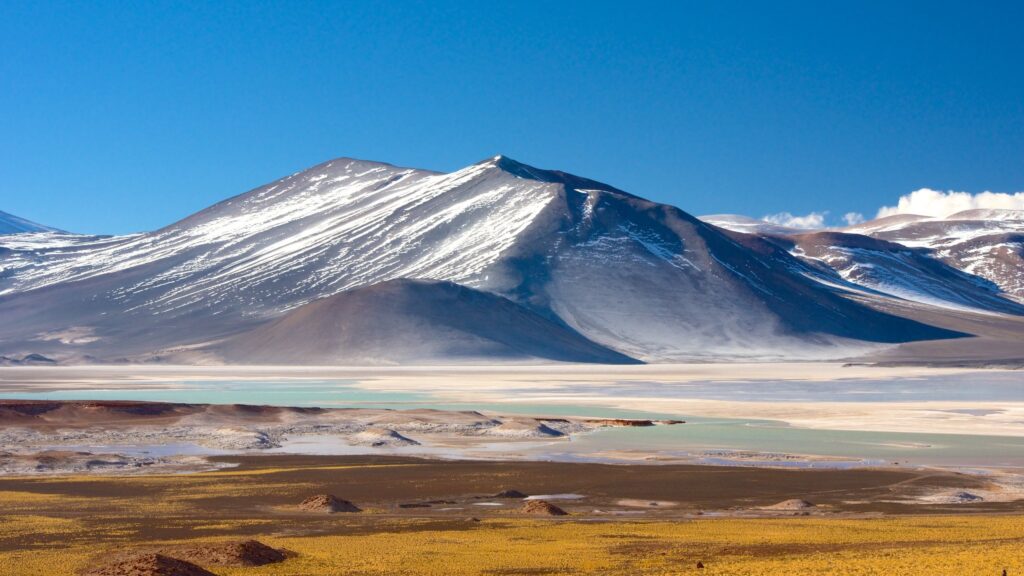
[118,117]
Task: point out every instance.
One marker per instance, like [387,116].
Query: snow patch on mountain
[579,257]
[342,224]
[986,243]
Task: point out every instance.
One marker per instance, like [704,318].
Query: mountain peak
[527,172]
[516,168]
[537,252]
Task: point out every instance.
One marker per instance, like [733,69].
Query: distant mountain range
[355,262]
[987,246]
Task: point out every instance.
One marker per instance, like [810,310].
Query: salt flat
[811,395]
[750,414]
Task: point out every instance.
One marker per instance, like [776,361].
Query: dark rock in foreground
[510,494]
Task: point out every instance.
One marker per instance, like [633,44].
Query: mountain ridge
[645,280]
[987,244]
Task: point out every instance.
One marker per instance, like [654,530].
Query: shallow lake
[710,440]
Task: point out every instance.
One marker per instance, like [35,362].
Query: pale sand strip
[552,383]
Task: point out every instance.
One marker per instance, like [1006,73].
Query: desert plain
[805,468]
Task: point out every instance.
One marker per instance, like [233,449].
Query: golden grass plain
[60,525]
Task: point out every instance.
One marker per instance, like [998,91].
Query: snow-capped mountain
[628,276]
[988,244]
[11,224]
[986,248]
[894,269]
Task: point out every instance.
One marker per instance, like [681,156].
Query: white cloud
[853,218]
[807,222]
[937,204]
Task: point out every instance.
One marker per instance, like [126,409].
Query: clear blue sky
[125,116]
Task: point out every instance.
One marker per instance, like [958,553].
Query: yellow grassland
[46,531]
[941,545]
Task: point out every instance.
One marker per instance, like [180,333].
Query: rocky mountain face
[498,260]
[894,269]
[988,244]
[981,253]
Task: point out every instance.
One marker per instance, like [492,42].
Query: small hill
[792,504]
[234,554]
[146,564]
[327,503]
[406,321]
[542,508]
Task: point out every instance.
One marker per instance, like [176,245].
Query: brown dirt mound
[510,494]
[238,553]
[542,508]
[794,504]
[327,503]
[147,564]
